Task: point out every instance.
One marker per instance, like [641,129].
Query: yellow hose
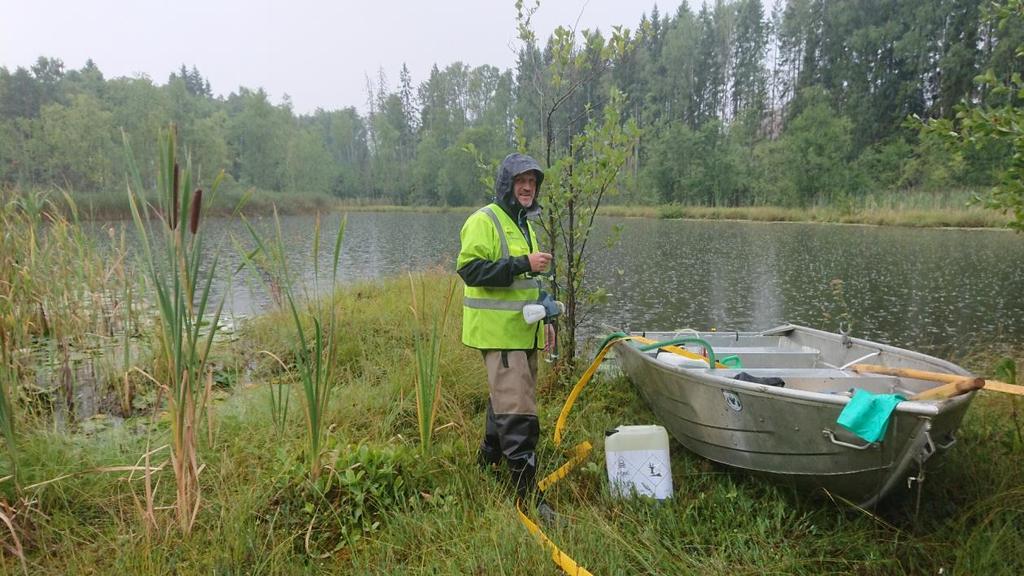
[579,453]
[563,560]
[584,380]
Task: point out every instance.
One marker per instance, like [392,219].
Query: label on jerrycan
[637,461]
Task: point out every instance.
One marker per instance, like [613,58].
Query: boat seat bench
[825,380]
[770,356]
[800,368]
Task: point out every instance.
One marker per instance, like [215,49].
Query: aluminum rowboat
[790,432]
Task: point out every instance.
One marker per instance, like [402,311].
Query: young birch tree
[586,144]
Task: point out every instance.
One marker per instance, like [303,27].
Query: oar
[954,384]
[961,386]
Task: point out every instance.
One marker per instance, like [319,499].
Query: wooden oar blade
[1004,387]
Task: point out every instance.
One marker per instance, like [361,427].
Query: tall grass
[316,355]
[172,252]
[431,326]
[7,415]
[58,297]
[110,204]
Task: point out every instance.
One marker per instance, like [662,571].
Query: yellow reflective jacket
[492,317]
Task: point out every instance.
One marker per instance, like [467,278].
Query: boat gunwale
[707,376]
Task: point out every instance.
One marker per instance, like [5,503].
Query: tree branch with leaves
[996,121]
[582,172]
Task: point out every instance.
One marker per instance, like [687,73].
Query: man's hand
[539,261]
[549,338]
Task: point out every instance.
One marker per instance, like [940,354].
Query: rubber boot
[547,514]
[524,476]
[488,456]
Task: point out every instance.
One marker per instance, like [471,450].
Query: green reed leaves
[428,333]
[171,257]
[7,381]
[316,354]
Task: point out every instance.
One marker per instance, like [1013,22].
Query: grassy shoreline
[949,210]
[898,217]
[385,508]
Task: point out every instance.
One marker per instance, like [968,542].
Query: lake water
[936,291]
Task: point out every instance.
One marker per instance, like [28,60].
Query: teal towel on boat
[867,414]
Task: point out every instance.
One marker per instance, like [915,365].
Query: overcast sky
[319,53]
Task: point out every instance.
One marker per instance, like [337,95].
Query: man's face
[525,188]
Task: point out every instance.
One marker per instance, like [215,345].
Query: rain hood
[513,165]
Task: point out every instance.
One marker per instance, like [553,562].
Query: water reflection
[932,290]
[375,245]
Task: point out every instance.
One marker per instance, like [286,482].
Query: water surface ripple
[937,291]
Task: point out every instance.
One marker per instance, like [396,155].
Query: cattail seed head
[197,203]
[175,202]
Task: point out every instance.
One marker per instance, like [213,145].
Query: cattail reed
[175,202]
[193,217]
[187,328]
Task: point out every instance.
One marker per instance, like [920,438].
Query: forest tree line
[741,102]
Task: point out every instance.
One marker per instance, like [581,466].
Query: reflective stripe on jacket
[492,317]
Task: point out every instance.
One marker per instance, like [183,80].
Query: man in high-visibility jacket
[497,260]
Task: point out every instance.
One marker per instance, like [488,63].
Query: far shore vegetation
[745,109]
[959,209]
